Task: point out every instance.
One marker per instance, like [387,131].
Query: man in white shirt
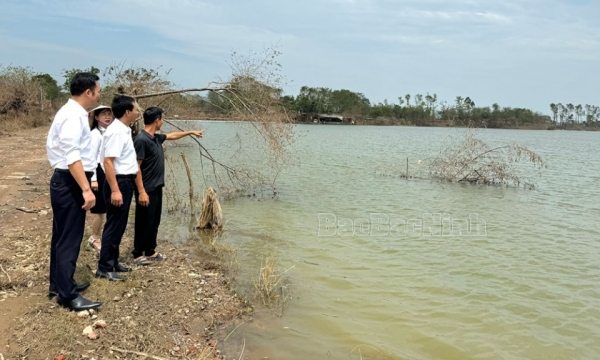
[69,153]
[120,167]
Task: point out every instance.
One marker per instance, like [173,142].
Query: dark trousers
[147,221]
[67,231]
[116,222]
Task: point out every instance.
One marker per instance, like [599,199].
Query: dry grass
[22,104]
[168,310]
[11,123]
[142,313]
[272,285]
[218,246]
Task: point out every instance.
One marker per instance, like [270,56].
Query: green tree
[554,109]
[69,74]
[419,100]
[49,86]
[571,109]
[579,112]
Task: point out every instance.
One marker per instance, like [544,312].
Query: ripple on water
[526,288]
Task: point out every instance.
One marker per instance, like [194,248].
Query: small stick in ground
[189,175]
[23,209]
[243,322]
[136,353]
[8,276]
[243,348]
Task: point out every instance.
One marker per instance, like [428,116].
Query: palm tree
[470,103]
[554,109]
[418,100]
[579,112]
[564,113]
[431,104]
[571,108]
[407,97]
[588,112]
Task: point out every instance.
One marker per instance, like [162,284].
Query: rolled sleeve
[68,141]
[113,145]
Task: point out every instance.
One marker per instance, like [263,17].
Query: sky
[518,53]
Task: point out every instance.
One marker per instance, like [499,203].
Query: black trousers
[68,225]
[147,221]
[116,222]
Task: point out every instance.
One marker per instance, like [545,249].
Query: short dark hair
[120,105]
[83,81]
[152,114]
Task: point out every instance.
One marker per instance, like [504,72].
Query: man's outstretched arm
[180,134]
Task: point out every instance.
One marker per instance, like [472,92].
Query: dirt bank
[176,309]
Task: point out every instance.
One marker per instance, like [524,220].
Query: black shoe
[80,287]
[121,268]
[79,303]
[112,276]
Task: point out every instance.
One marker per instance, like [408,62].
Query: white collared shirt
[117,143]
[69,138]
[96,144]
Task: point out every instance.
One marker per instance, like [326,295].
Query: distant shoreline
[532,127]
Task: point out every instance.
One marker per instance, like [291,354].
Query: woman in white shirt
[102,117]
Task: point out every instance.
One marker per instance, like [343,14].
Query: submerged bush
[471,160]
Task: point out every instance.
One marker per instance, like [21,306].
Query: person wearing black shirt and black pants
[149,182]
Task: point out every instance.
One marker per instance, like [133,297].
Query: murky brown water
[522,284]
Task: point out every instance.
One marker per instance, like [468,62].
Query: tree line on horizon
[428,110]
[22,89]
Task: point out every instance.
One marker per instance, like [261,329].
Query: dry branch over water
[472,160]
[251,94]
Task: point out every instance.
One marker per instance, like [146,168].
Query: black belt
[87,173]
[125,176]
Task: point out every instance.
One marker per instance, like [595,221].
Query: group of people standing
[99,167]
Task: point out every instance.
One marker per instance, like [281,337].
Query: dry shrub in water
[471,160]
[272,285]
[211,216]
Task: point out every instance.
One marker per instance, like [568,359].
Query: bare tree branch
[171,92]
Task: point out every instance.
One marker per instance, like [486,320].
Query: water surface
[522,284]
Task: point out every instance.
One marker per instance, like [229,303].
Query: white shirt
[69,138]
[117,143]
[96,144]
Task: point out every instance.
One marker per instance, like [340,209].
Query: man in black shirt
[149,182]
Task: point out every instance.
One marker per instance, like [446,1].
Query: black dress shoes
[120,268]
[80,287]
[79,303]
[112,276]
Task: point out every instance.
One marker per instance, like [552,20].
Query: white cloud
[445,46]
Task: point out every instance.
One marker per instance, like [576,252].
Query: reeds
[272,284]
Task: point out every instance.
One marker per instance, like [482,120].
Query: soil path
[171,309]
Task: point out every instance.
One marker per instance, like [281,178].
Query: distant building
[330,119]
